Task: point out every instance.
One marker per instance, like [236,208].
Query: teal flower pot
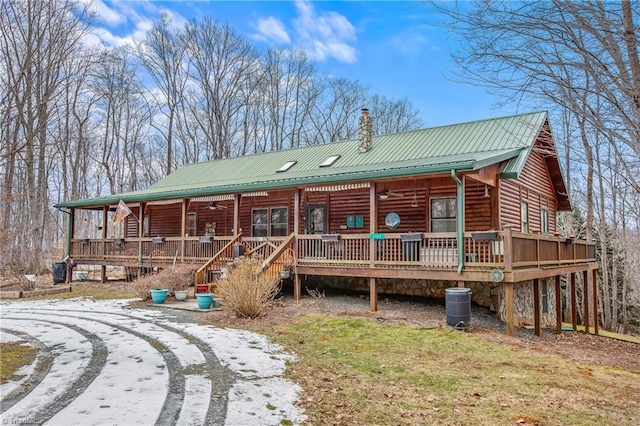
[205,300]
[158,296]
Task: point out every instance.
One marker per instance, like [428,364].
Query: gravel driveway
[103,362]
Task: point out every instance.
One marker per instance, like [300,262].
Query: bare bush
[175,278]
[316,293]
[179,277]
[245,292]
[144,284]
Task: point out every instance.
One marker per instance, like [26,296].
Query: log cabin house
[470,204]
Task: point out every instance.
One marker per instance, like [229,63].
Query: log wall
[534,187]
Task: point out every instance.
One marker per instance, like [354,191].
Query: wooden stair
[210,270]
[282,258]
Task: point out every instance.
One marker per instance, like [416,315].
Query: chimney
[365,131]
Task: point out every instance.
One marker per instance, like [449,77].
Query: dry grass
[354,371]
[244,292]
[13,356]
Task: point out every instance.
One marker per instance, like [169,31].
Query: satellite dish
[497,276]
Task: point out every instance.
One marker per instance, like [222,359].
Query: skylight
[329,161]
[287,166]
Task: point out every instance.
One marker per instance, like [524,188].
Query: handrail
[277,253]
[201,271]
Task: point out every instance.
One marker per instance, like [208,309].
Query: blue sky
[392,46]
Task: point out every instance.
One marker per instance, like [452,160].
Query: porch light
[383,196]
[213,206]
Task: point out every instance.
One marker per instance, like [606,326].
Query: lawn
[360,372]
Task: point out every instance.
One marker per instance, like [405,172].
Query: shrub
[244,292]
[179,277]
[174,278]
[143,284]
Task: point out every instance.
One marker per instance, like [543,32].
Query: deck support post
[373,294]
[373,222]
[558,305]
[595,301]
[461,284]
[297,287]
[536,308]
[585,300]
[296,229]
[574,304]
[70,232]
[236,214]
[105,223]
[183,228]
[140,236]
[508,304]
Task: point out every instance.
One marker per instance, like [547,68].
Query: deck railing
[505,249]
[204,275]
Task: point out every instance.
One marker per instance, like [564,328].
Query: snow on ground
[146,355]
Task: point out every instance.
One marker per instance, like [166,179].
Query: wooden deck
[417,255]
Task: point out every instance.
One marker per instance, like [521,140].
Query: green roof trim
[459,147]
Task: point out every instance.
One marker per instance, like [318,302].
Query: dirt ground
[576,346]
[571,345]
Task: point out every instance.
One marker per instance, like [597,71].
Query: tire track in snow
[93,369]
[44,360]
[219,375]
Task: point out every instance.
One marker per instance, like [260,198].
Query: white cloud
[412,42]
[325,35]
[272,30]
[107,14]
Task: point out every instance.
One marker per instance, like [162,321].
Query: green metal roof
[467,146]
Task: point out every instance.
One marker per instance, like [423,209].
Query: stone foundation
[488,295]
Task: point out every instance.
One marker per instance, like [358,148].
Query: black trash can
[458,304]
[59,272]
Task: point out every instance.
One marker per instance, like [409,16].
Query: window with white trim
[270,222]
[524,217]
[259,222]
[191,224]
[544,221]
[443,214]
[279,221]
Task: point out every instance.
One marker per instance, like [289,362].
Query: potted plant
[205,300]
[159,295]
[180,278]
[284,274]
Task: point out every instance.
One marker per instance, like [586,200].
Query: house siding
[534,187]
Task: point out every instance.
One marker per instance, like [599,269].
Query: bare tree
[163,54]
[223,68]
[36,40]
[582,57]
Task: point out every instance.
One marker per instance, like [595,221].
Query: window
[191,224]
[443,214]
[272,222]
[259,225]
[287,166]
[545,221]
[329,161]
[524,217]
[145,226]
[279,222]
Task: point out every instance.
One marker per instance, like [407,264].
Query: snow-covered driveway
[105,363]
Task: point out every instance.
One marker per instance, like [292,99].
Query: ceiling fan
[214,206]
[385,193]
